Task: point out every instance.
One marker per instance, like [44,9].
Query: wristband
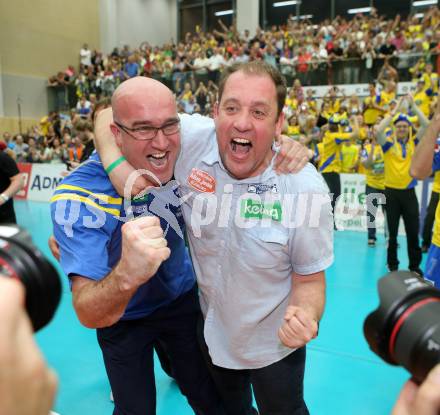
[5,197]
[115,164]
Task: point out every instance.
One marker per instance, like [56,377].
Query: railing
[324,72]
[61,97]
[353,71]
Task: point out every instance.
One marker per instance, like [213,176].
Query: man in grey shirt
[260,244]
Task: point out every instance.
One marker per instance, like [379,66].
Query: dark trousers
[403,203]
[127,347]
[214,76]
[429,219]
[375,197]
[7,215]
[278,388]
[333,181]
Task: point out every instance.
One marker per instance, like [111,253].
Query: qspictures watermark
[261,206]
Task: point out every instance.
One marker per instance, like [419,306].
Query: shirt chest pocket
[268,247]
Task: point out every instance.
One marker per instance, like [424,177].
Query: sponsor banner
[26,169]
[41,180]
[351,208]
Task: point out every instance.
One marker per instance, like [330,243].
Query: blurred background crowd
[365,49]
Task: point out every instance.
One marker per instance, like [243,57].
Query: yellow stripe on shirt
[106,199]
[83,199]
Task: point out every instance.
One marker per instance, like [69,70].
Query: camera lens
[405,328]
[21,260]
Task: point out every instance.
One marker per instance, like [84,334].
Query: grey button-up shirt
[247,237]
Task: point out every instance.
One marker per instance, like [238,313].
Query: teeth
[240,141]
[158,155]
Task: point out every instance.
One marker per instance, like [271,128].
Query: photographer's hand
[420,400]
[27,385]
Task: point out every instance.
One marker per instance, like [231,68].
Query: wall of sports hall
[41,37]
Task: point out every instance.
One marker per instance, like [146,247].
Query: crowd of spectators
[58,138]
[406,49]
[314,53]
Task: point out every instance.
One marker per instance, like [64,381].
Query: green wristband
[115,164]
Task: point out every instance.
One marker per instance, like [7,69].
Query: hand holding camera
[21,260]
[27,385]
[405,330]
[420,400]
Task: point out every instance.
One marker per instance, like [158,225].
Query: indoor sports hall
[204,93]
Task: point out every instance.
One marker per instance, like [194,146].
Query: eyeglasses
[148,133]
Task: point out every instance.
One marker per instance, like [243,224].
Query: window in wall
[219,8]
[319,9]
[190,2]
[278,15]
[390,8]
[189,19]
[316,10]
[342,7]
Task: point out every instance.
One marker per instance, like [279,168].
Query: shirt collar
[404,141]
[212,157]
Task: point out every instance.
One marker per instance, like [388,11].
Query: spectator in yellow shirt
[317,157]
[293,129]
[291,101]
[388,94]
[332,98]
[422,97]
[398,145]
[373,162]
[350,157]
[372,106]
[311,102]
[354,105]
[431,79]
[331,155]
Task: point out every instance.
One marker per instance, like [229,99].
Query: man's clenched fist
[144,248]
[298,328]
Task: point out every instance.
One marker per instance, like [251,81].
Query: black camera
[20,259]
[405,328]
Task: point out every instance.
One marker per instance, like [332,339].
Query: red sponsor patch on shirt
[201,181]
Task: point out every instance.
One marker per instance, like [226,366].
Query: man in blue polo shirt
[120,285]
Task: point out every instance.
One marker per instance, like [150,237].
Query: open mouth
[240,146]
[158,159]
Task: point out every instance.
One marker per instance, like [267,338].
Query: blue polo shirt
[87,215]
